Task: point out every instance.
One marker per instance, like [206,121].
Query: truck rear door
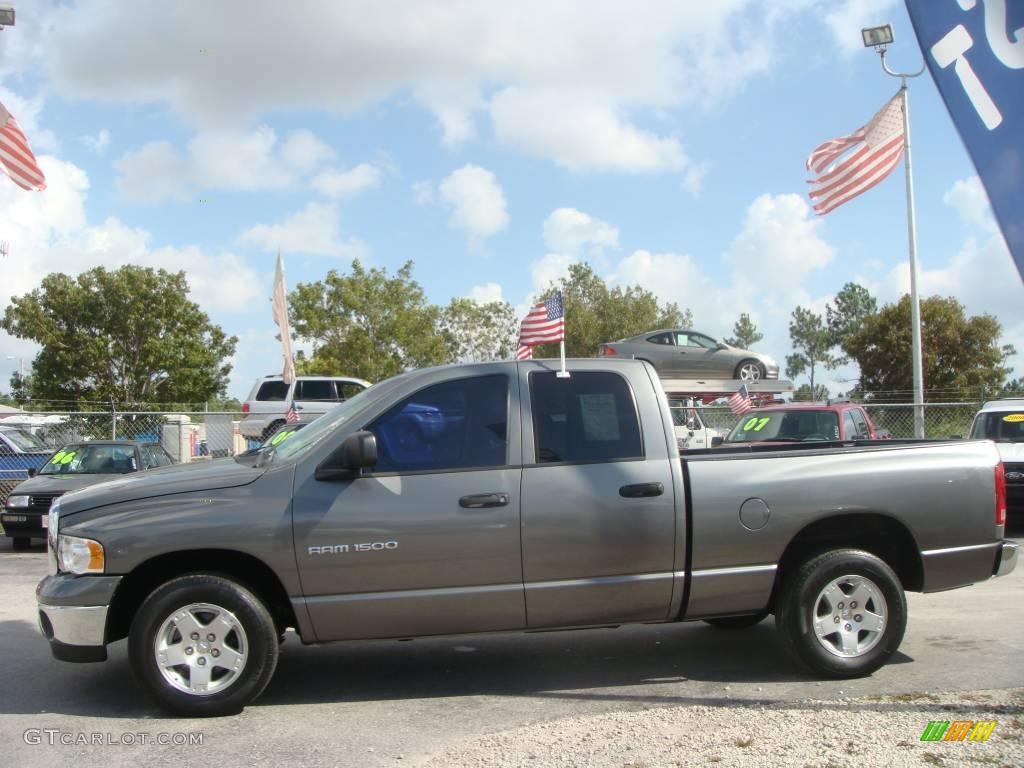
[598,498]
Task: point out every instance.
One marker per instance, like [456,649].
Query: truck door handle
[641,490]
[481,500]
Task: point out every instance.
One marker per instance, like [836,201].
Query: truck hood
[182,478]
[61,483]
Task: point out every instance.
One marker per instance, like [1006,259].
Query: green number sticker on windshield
[750,424]
[68,457]
[762,423]
[57,457]
[280,438]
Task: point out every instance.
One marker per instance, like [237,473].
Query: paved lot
[388,703]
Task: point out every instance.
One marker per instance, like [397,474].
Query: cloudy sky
[492,144]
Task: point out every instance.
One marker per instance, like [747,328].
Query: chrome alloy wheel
[849,616]
[750,371]
[201,649]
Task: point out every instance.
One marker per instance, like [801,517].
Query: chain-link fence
[28,440]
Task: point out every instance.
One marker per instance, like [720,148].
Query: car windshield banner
[975,51]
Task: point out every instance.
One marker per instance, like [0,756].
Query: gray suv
[266,408]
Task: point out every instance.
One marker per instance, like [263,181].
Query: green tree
[959,353]
[804,393]
[853,305]
[367,323]
[812,345]
[477,332]
[745,333]
[1013,388]
[595,313]
[130,334]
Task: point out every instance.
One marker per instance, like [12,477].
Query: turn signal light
[1000,494]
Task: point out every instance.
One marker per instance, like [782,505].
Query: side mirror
[32,471]
[717,440]
[356,452]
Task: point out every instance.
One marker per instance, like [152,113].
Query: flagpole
[562,374]
[915,302]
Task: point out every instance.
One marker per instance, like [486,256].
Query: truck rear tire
[203,646]
[842,613]
[737,622]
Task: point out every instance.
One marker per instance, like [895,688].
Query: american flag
[16,156]
[544,324]
[524,352]
[280,302]
[843,178]
[739,401]
[291,415]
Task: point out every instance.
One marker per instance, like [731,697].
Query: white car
[266,408]
[1003,422]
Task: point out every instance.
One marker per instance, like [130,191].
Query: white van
[266,408]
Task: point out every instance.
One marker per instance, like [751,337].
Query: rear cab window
[589,417]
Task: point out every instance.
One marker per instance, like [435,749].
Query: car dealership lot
[389,703]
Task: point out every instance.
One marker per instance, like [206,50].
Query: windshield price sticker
[1014,418]
[63,457]
[756,423]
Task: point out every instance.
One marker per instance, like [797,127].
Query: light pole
[878,38]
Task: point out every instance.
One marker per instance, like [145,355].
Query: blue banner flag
[975,51]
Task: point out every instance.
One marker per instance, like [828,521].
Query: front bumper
[20,523]
[73,615]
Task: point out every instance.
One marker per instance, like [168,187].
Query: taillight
[1000,494]
[245,407]
[607,351]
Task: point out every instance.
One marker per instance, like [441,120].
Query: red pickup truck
[798,422]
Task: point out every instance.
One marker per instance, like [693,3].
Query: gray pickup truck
[502,497]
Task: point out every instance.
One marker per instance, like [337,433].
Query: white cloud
[663,55]
[97,143]
[214,160]
[780,243]
[550,269]
[846,18]
[314,229]
[477,200]
[693,179]
[567,230]
[486,293]
[579,133]
[968,198]
[342,185]
[423,192]
[50,232]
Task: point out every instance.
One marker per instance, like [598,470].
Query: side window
[587,417]
[349,389]
[272,390]
[147,457]
[661,338]
[315,389]
[155,456]
[699,340]
[685,340]
[862,424]
[457,424]
[849,428]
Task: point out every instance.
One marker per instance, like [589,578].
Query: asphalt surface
[388,703]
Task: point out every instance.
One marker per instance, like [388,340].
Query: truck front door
[599,514]
[427,542]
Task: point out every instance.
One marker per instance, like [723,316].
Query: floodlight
[876,36]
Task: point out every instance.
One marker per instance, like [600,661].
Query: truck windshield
[1002,427]
[24,441]
[86,459]
[785,426]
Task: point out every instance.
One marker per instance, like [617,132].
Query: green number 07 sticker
[756,423]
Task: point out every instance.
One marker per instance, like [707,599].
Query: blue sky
[664,142]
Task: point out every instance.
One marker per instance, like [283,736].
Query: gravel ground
[879,730]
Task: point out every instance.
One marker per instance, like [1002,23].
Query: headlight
[52,521]
[78,556]
[14,502]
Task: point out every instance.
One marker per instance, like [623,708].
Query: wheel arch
[882,535]
[245,569]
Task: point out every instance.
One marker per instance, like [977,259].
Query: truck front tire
[842,613]
[203,646]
